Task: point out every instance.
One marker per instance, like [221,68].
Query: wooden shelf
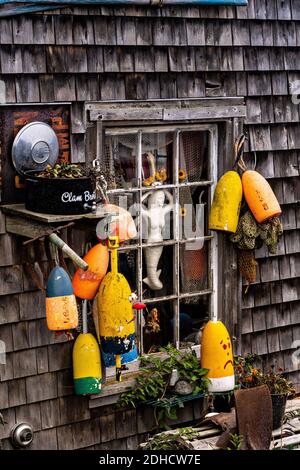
[19,210]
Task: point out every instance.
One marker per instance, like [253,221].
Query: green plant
[289,415]
[171,441]
[153,380]
[277,383]
[236,442]
[245,371]
[63,170]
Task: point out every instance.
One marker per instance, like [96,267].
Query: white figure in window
[155,214]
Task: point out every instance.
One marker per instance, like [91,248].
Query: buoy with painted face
[86,361]
[116,316]
[225,209]
[61,306]
[216,355]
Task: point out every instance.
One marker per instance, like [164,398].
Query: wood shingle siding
[74,55]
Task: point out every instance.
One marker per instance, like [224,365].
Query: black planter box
[60,196]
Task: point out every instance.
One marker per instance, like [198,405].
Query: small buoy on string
[86,360]
[61,306]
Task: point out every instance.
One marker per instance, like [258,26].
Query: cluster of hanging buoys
[262,202]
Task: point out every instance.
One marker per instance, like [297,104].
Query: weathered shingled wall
[140,53]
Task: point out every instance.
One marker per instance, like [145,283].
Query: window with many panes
[171,168]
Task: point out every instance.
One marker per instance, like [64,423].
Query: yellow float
[225,209]
[86,361]
[259,196]
[217,356]
[116,316]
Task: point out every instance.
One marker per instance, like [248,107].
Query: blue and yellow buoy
[86,361]
[116,316]
[61,306]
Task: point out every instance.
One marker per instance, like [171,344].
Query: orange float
[86,283]
[259,196]
[61,307]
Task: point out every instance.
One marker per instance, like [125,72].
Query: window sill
[111,390]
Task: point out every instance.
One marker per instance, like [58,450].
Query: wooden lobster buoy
[260,196]
[216,355]
[116,316]
[225,209]
[61,307]
[86,361]
[86,283]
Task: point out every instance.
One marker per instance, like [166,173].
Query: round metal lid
[35,146]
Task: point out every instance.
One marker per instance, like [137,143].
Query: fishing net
[247,265]
[250,235]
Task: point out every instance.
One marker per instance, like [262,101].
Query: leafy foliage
[235,442]
[63,170]
[250,376]
[168,441]
[153,380]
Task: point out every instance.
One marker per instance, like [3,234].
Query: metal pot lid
[35,146]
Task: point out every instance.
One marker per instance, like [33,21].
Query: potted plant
[64,189]
[156,387]
[280,388]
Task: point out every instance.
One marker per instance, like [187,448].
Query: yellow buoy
[86,361]
[225,209]
[216,355]
[116,316]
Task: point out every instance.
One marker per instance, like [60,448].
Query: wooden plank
[64,88]
[43,29]
[60,356]
[11,59]
[46,88]
[134,113]
[95,59]
[22,30]
[284,9]
[24,363]
[111,60]
[87,87]
[83,31]
[78,118]
[105,30]
[107,427]
[203,113]
[41,387]
[46,440]
[63,25]
[42,360]
[16,392]
[27,89]
[6,31]
[10,280]
[50,413]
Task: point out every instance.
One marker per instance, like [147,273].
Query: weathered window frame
[223,118]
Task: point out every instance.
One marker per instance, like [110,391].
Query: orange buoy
[260,196]
[86,283]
